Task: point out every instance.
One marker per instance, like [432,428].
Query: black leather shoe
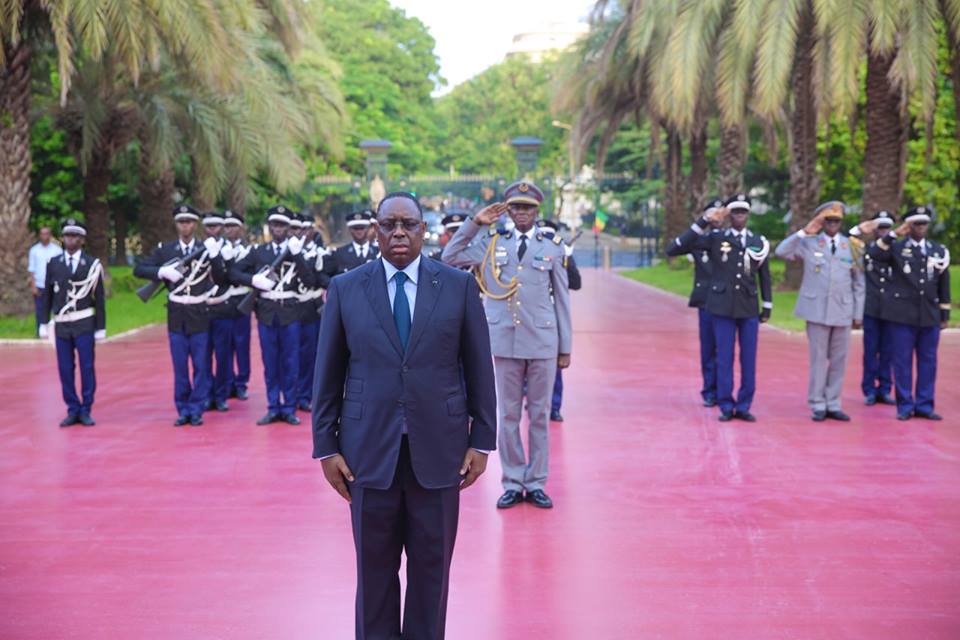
[838,415]
[267,419]
[746,416]
[539,499]
[240,394]
[904,416]
[709,402]
[86,420]
[181,420]
[196,421]
[510,498]
[555,416]
[870,401]
[726,416]
[928,416]
[819,416]
[304,406]
[290,419]
[886,400]
[222,406]
[69,420]
[208,405]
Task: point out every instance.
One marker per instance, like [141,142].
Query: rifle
[249,300]
[146,291]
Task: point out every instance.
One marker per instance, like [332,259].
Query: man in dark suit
[412,423]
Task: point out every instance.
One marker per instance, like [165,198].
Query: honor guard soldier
[359,250]
[574,282]
[235,249]
[223,313]
[916,306]
[191,271]
[527,301]
[877,381]
[277,269]
[451,222]
[740,268]
[74,295]
[698,299]
[831,301]
[311,304]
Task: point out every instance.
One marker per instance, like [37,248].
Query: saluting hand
[902,230]
[490,214]
[474,464]
[717,215]
[337,473]
[868,226]
[814,226]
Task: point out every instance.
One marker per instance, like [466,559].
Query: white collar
[185,247]
[529,234]
[412,270]
[70,256]
[922,243]
[358,248]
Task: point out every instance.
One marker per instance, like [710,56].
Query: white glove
[262,282]
[295,244]
[228,252]
[213,246]
[44,332]
[100,334]
[169,272]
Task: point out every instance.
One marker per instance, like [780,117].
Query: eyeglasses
[408,224]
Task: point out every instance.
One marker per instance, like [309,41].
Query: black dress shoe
[555,416]
[290,419]
[709,402]
[181,420]
[904,416]
[208,405]
[267,419]
[196,421]
[746,416]
[886,400]
[539,499]
[510,498]
[819,416]
[304,406]
[69,420]
[240,394]
[222,406]
[870,401]
[86,420]
[838,415]
[726,416]
[928,416]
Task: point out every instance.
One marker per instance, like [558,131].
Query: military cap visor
[883,218]
[834,210]
[917,214]
[185,213]
[73,228]
[280,214]
[523,193]
[212,219]
[358,219]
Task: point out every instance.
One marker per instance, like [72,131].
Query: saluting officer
[740,267]
[311,304]
[191,271]
[702,274]
[831,301]
[527,302]
[917,307]
[877,380]
[74,294]
[235,249]
[359,250]
[278,311]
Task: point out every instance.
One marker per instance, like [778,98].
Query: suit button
[519,267]
[737,287]
[406,368]
[739,275]
[739,264]
[400,402]
[921,282]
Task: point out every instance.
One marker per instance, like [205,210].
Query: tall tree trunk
[732,158]
[698,171]
[804,181]
[237,194]
[96,210]
[156,190]
[120,237]
[674,203]
[15,164]
[885,157]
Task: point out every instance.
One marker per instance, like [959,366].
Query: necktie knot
[401,278]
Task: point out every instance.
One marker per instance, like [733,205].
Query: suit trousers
[240,349]
[828,348]
[83,346]
[521,472]
[908,340]
[309,334]
[190,397]
[280,348]
[221,343]
[726,331]
[419,522]
[877,358]
[708,355]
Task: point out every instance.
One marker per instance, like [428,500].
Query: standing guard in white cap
[234,250]
[74,295]
[311,305]
[359,250]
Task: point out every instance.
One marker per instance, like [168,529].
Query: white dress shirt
[73,261]
[38,257]
[186,248]
[363,249]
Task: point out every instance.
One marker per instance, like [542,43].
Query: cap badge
[523,187]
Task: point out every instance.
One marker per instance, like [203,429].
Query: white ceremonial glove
[44,332]
[228,252]
[170,273]
[100,334]
[213,246]
[262,282]
[295,244]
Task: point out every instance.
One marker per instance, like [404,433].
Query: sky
[473,35]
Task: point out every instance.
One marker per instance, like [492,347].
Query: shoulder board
[539,237]
[494,231]
[557,240]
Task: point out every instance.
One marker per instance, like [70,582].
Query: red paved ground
[668,524]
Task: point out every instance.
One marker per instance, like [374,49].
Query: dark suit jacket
[365,386]
[55,296]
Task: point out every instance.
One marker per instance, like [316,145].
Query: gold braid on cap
[489,258]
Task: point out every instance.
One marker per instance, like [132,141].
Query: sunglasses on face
[389,225]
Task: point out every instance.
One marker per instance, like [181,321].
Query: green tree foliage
[55,182]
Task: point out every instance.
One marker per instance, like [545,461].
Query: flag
[600,221]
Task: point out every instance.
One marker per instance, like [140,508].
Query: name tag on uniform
[817,254]
[543,258]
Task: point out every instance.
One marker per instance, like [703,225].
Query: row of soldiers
[892,283]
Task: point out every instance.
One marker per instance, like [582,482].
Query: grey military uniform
[831,298]
[528,330]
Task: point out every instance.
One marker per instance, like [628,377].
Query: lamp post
[526,148]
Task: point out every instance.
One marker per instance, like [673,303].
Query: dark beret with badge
[523,192]
[185,213]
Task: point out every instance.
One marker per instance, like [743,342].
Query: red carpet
[668,524]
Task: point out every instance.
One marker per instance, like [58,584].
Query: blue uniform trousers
[877,356]
[240,351]
[221,344]
[190,397]
[83,346]
[708,355]
[280,348]
[557,392]
[309,336]
[906,340]
[726,331]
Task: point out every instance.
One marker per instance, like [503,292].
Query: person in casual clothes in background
[39,256]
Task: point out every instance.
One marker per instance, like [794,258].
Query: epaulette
[557,240]
[494,230]
[539,237]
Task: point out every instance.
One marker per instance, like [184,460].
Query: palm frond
[775,53]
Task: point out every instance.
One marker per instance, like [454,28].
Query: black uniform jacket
[55,296]
[287,309]
[919,291]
